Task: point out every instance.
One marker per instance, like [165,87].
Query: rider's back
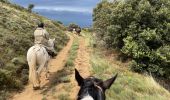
[41,36]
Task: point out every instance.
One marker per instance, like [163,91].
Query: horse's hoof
[36,88]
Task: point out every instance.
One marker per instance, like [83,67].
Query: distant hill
[17,25]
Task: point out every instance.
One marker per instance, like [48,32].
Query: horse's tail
[33,76]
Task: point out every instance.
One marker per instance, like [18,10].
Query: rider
[41,37]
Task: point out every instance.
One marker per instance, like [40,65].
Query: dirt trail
[54,66]
[82,64]
[69,90]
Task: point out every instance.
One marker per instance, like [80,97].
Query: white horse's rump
[38,58]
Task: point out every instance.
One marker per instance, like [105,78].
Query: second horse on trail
[38,58]
[77,31]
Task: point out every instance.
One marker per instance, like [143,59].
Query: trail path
[82,64]
[69,90]
[52,91]
[54,66]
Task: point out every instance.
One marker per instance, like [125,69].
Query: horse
[92,88]
[38,58]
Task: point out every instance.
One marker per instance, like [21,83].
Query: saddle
[50,52]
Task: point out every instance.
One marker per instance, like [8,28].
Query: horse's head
[92,88]
[51,42]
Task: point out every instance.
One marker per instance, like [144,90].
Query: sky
[66,11]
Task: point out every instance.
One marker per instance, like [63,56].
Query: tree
[30,7]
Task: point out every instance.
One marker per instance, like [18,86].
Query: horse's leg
[47,71]
[33,75]
[40,69]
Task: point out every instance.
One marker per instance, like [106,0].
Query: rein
[98,87]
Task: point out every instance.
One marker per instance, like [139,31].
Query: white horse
[38,57]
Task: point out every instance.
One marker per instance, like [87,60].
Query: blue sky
[66,11]
[61,5]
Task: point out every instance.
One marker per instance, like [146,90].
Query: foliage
[72,54]
[140,29]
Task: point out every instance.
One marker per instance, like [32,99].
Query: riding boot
[52,54]
[36,88]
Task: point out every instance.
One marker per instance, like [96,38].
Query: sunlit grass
[63,97]
[72,54]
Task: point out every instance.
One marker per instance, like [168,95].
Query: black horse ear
[78,77]
[107,84]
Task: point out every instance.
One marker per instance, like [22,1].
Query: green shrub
[139,29]
[8,81]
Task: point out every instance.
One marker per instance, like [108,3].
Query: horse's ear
[107,84]
[78,77]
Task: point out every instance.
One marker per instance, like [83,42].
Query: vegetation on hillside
[17,25]
[139,29]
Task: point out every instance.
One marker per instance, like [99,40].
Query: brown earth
[82,65]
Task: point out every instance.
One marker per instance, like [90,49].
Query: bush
[7,80]
[139,29]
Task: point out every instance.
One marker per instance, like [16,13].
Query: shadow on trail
[55,79]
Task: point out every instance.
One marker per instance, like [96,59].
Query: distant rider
[41,37]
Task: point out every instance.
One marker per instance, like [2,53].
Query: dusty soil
[82,65]
[51,90]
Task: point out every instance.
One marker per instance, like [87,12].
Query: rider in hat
[41,37]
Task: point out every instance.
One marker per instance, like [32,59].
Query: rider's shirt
[41,36]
